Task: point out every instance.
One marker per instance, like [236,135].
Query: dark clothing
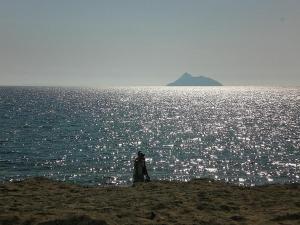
[140,170]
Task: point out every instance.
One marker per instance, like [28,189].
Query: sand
[47,202]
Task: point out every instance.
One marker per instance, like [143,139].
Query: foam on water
[246,135]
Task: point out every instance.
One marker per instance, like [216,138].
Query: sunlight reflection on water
[246,135]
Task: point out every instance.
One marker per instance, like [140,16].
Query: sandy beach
[47,202]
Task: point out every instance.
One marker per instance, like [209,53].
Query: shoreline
[42,201]
[130,184]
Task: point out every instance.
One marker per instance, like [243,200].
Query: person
[140,169]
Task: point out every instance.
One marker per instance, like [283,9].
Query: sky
[148,42]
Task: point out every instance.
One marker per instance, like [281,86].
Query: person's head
[140,154]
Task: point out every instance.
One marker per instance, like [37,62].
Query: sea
[90,136]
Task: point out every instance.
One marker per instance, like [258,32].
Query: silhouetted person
[140,169]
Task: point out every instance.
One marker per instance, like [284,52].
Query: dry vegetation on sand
[46,202]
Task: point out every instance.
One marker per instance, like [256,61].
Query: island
[189,80]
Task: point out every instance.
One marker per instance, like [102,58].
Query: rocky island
[189,80]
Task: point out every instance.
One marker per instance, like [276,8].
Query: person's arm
[145,170]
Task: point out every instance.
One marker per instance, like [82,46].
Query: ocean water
[244,135]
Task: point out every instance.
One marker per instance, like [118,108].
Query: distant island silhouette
[187,79]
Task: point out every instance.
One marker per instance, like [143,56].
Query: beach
[41,201]
[149,112]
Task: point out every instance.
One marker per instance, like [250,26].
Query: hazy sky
[149,42]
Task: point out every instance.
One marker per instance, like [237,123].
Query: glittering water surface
[246,135]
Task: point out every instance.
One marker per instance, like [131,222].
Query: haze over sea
[245,135]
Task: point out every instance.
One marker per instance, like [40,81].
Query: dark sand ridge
[46,202]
